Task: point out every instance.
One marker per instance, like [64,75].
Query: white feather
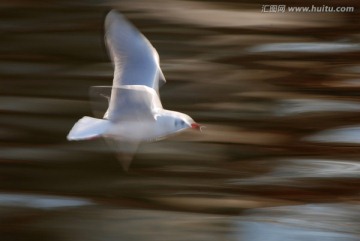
[88,128]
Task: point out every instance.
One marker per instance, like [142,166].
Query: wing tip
[125,160]
[113,16]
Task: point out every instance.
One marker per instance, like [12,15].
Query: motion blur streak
[278,93]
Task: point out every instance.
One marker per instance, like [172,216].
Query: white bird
[135,113]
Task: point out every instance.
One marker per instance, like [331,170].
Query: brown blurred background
[277,91]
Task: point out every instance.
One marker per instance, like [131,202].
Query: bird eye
[179,123]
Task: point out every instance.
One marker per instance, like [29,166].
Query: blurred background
[277,91]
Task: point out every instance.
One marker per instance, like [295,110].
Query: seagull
[135,113]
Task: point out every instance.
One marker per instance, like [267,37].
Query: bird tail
[88,128]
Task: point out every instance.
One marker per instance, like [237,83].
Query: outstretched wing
[125,151]
[135,60]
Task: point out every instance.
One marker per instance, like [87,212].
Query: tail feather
[88,128]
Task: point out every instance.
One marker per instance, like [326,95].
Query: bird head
[183,121]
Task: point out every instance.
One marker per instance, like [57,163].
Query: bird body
[135,113]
